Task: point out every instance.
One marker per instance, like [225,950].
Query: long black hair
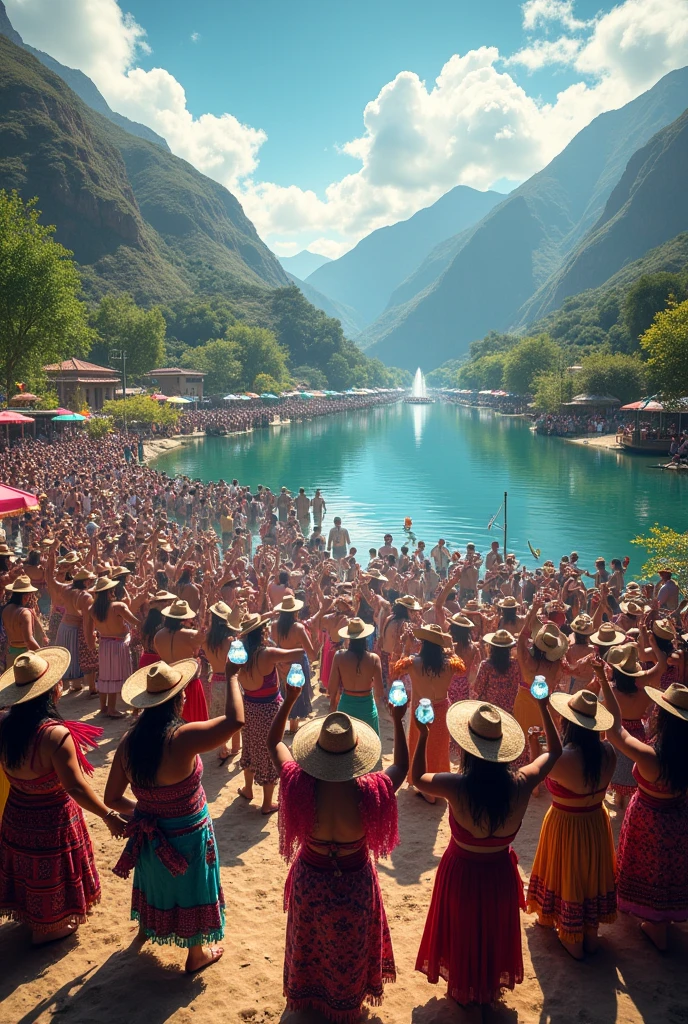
[622,682]
[665,646]
[172,624]
[33,558]
[145,742]
[284,623]
[670,747]
[461,635]
[16,597]
[153,622]
[101,605]
[590,745]
[78,584]
[359,647]
[433,658]
[509,616]
[18,729]
[500,658]
[400,613]
[489,788]
[254,642]
[581,638]
[218,632]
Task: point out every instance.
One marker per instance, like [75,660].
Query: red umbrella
[159,398]
[14,502]
[62,412]
[10,416]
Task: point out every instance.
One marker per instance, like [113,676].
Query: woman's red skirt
[195,706]
[472,935]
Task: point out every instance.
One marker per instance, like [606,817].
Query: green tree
[122,325]
[141,409]
[622,376]
[42,319]
[492,343]
[666,345]
[198,321]
[552,389]
[446,375]
[258,351]
[219,359]
[310,376]
[648,296]
[526,360]
[339,373]
[49,399]
[98,427]
[483,374]
[265,384]
[666,548]
[308,334]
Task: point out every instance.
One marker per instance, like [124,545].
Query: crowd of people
[211,616]
[575,425]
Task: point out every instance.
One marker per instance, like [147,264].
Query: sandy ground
[159,446]
[97,977]
[597,441]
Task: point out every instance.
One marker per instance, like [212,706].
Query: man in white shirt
[441,557]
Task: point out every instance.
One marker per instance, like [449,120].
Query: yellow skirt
[572,885]
[4,791]
[526,710]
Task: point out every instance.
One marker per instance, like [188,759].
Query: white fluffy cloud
[474,125]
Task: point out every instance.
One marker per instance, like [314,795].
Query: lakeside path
[607,441]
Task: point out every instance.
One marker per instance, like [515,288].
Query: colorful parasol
[11,416]
[72,417]
[14,502]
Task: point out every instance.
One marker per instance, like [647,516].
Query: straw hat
[548,570]
[6,552]
[674,699]
[632,607]
[472,606]
[607,635]
[583,708]
[462,620]
[165,547]
[252,622]
[433,634]
[178,610]
[632,587]
[502,638]
[375,574]
[71,558]
[661,628]
[625,659]
[120,570]
[32,674]
[22,585]
[84,574]
[485,731]
[583,624]
[336,748]
[288,604]
[161,597]
[409,602]
[507,602]
[551,641]
[355,629]
[48,542]
[104,583]
[221,610]
[155,684]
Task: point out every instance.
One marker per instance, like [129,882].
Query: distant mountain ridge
[351,325]
[81,84]
[303,263]
[137,217]
[499,265]
[365,277]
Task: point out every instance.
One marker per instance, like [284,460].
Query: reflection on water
[447,467]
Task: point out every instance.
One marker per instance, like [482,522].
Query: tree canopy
[666,345]
[219,359]
[258,351]
[648,296]
[141,409]
[622,376]
[530,357]
[124,326]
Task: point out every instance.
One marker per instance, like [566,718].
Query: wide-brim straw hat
[407,601]
[375,574]
[33,674]
[21,585]
[632,607]
[584,709]
[179,610]
[104,583]
[500,638]
[551,641]
[433,634]
[120,570]
[472,605]
[155,684]
[356,629]
[253,622]
[583,625]
[84,574]
[461,620]
[71,558]
[220,610]
[607,635]
[625,659]
[289,603]
[6,552]
[660,627]
[485,731]
[161,597]
[674,699]
[336,748]
[507,602]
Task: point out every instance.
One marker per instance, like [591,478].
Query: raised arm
[334,682]
[642,753]
[539,769]
[398,770]
[278,750]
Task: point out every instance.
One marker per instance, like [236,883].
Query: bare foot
[657,934]
[574,949]
[202,956]
[269,808]
[76,689]
[246,796]
[43,938]
[116,714]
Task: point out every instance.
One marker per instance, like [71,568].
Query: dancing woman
[287,632]
[335,810]
[357,674]
[177,895]
[472,936]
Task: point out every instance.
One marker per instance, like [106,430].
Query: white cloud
[195,37]
[474,125]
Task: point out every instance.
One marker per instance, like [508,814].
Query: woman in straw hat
[152,622]
[472,935]
[652,858]
[541,650]
[628,680]
[331,623]
[572,886]
[289,633]
[499,676]
[580,652]
[177,894]
[112,619]
[262,700]
[179,639]
[335,810]
[225,626]
[398,625]
[48,877]
[356,675]
[431,672]
[77,601]
[18,618]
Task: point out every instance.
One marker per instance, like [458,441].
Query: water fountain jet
[419,392]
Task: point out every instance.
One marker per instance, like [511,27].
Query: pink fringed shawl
[297,811]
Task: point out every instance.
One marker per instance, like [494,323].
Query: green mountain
[81,84]
[648,207]
[303,263]
[348,318]
[365,277]
[137,217]
[500,264]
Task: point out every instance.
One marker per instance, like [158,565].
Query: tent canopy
[593,400]
[14,502]
[71,417]
[11,416]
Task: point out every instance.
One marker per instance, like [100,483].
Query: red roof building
[97,383]
[171,381]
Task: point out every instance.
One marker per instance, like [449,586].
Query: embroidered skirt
[652,859]
[258,717]
[68,636]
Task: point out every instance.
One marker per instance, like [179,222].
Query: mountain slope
[137,217]
[303,263]
[365,277]
[81,84]
[351,325]
[500,264]
[648,207]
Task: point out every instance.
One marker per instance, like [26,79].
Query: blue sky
[330,119]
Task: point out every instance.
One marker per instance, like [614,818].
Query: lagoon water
[447,467]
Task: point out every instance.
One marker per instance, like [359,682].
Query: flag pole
[505,502]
